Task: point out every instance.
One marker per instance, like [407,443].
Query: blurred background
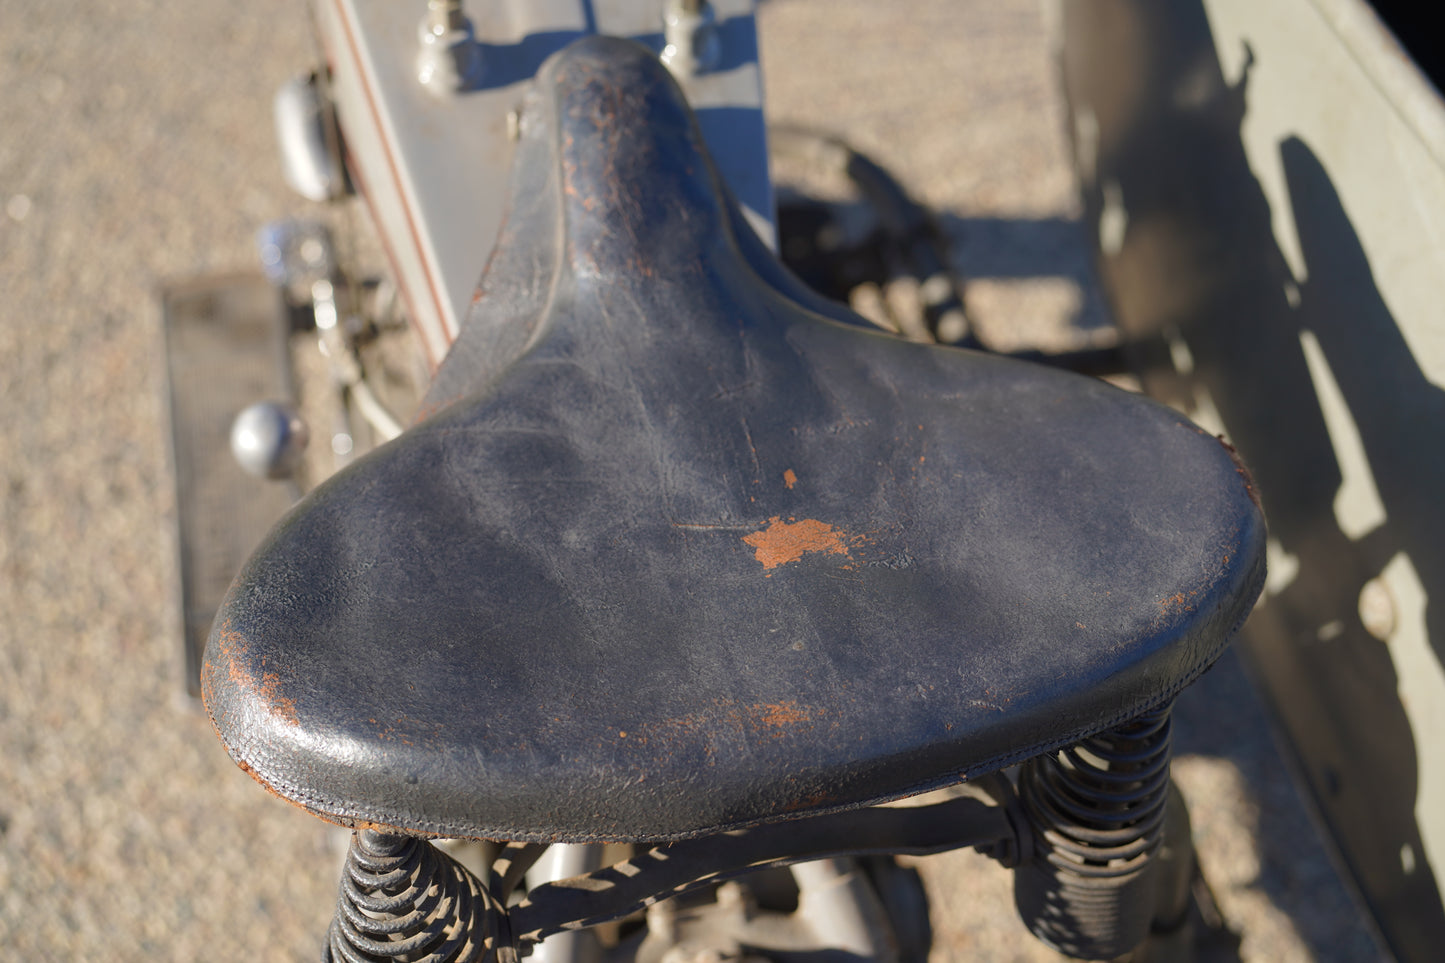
[136,149]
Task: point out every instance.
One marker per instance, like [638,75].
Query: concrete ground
[136,147]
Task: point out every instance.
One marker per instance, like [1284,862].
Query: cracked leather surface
[674,551]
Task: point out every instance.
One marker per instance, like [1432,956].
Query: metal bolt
[689,28]
[450,60]
[443,16]
[1377,609]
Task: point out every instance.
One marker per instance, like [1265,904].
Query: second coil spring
[402,899]
[1098,810]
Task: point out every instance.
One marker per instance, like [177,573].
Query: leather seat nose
[673,552]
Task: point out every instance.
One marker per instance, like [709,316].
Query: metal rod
[666,871]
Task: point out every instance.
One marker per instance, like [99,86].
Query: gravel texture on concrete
[136,146]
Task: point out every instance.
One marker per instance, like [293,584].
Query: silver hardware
[294,253]
[1377,609]
[346,368]
[268,440]
[450,60]
[306,133]
[690,32]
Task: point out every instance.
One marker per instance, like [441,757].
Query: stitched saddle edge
[352,816]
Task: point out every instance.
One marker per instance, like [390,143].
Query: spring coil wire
[402,899]
[1097,809]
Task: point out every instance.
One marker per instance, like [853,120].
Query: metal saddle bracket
[679,550]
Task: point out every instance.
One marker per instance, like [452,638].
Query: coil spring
[1097,809]
[402,899]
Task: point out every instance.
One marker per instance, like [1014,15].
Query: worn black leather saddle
[677,547]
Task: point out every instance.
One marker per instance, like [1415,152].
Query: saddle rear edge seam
[311,802]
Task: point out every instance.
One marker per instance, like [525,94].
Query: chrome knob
[268,439]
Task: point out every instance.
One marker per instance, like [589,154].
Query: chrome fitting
[690,32]
[450,60]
